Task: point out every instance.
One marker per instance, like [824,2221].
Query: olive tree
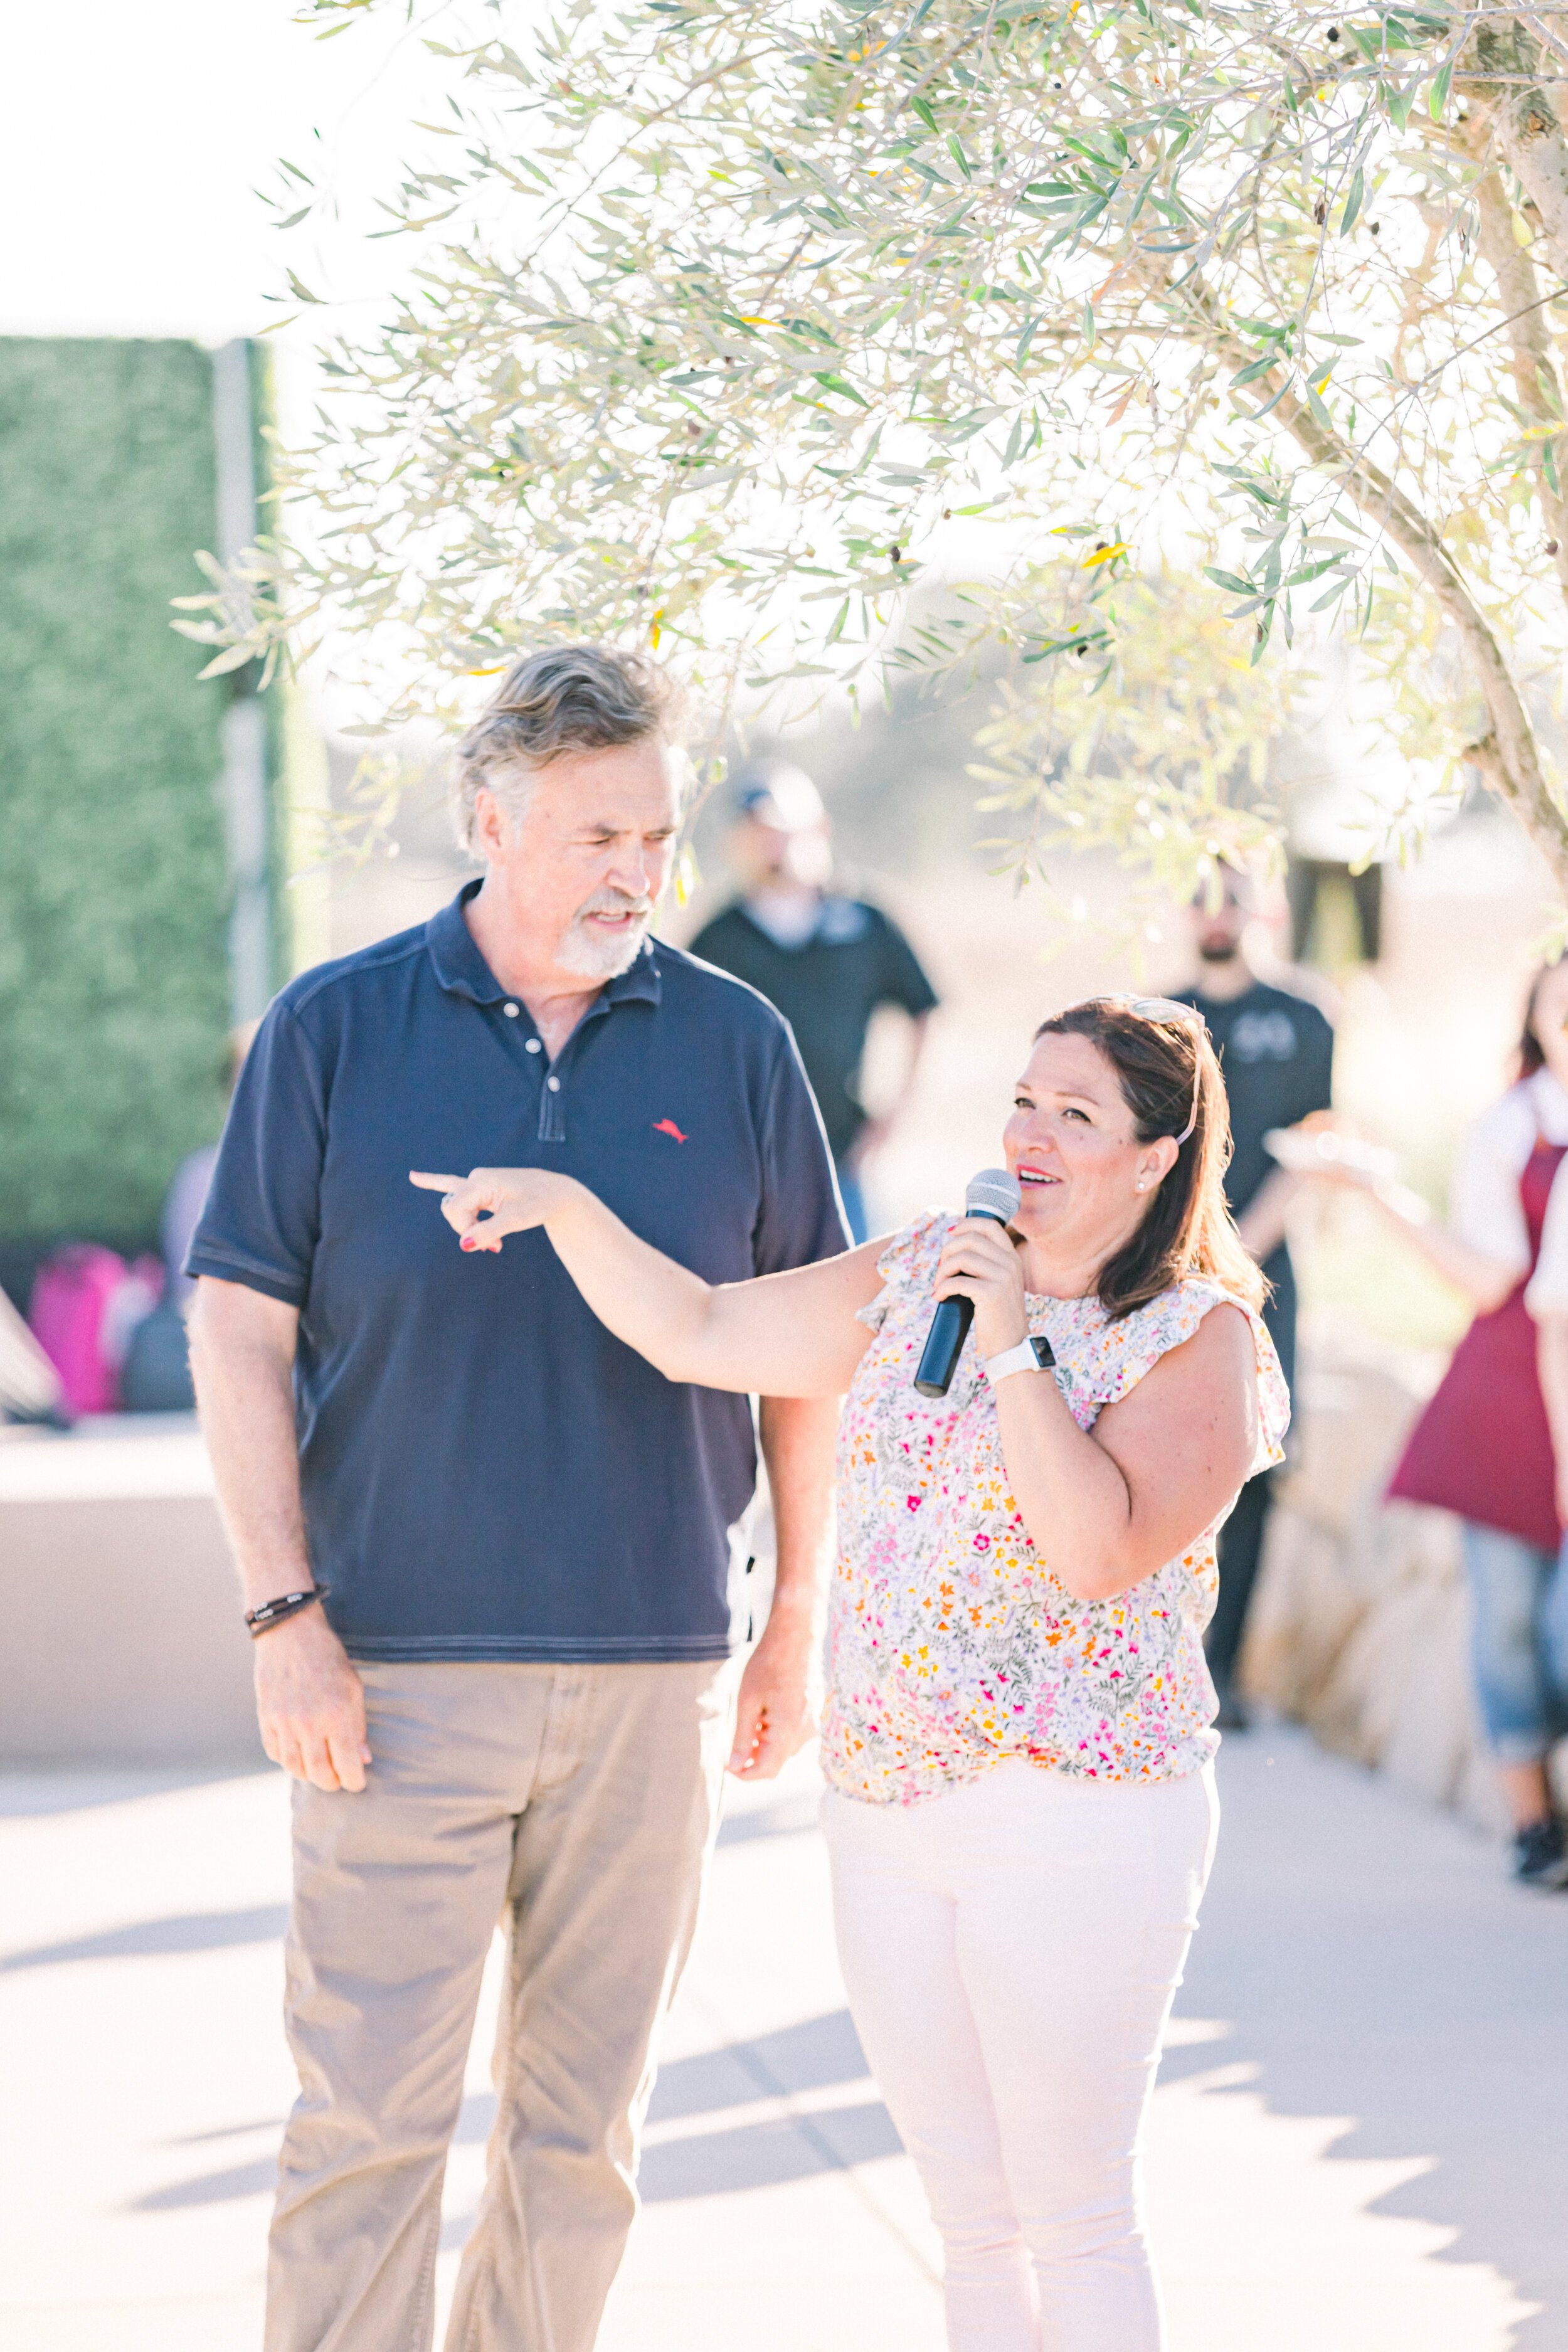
[733,319]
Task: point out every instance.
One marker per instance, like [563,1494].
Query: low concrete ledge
[121,1635]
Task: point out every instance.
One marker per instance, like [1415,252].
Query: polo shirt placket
[467,974]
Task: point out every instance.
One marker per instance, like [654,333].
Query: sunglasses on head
[1160,1010]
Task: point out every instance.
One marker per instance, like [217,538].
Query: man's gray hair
[567,698]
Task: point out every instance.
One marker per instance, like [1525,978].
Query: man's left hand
[773,1717]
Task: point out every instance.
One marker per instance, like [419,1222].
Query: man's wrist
[282,1607]
[261,1584]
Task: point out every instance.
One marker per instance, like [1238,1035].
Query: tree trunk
[1508,755]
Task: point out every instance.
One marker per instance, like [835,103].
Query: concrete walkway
[1361,2140]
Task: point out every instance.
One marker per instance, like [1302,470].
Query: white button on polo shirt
[511,1012]
[533,1046]
[554,1084]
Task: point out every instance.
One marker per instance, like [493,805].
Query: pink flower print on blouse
[952,1645]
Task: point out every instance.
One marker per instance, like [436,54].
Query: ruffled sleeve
[907,1265]
[1111,1362]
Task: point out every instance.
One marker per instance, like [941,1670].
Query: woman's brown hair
[1168,1073]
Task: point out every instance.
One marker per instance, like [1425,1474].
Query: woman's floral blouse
[952,1644]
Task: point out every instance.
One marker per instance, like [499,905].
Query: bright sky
[132,139]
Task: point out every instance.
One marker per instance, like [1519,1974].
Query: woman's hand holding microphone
[980,1261]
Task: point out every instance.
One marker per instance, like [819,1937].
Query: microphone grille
[992,1193]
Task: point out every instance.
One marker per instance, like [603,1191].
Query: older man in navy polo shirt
[487,1550]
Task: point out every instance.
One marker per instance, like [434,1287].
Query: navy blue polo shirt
[487,1471]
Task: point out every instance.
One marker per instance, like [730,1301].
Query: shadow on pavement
[29,1792]
[810,2056]
[190,1931]
[788,1818]
[815,2055]
[763,2154]
[212,2189]
[1372,1957]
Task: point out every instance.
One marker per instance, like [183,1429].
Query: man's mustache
[612,902]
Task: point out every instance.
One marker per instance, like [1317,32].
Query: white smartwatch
[1028,1356]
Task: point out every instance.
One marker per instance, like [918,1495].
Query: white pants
[1011,1951]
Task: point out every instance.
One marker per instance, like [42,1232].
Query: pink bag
[86,1303]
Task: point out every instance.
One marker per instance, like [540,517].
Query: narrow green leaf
[1437,99]
[831,383]
[1311,571]
[1352,202]
[234,657]
[1260,642]
[1254,416]
[920,106]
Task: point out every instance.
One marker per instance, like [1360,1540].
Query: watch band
[1025,1358]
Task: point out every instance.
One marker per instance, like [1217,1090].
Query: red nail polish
[467,1242]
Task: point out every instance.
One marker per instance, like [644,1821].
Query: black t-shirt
[1276,1052]
[826,989]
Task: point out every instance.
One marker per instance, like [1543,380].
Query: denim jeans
[1519,1641]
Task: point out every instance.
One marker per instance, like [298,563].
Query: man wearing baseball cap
[828,963]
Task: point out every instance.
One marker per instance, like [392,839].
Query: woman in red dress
[1483,1448]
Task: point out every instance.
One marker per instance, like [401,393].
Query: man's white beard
[600,955]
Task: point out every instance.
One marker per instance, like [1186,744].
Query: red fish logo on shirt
[668,1127]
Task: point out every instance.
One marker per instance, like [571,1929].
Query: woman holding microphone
[1017,1735]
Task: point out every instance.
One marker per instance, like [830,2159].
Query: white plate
[1322,1151]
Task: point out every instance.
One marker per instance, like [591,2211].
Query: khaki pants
[580,1802]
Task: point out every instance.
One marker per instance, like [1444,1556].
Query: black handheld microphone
[992,1194]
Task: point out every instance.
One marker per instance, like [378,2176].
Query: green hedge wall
[113,967]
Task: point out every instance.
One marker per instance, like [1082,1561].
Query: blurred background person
[187,1195]
[828,963]
[155,1376]
[1277,1052]
[1483,1447]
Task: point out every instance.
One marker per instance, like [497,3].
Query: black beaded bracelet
[273,1612]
